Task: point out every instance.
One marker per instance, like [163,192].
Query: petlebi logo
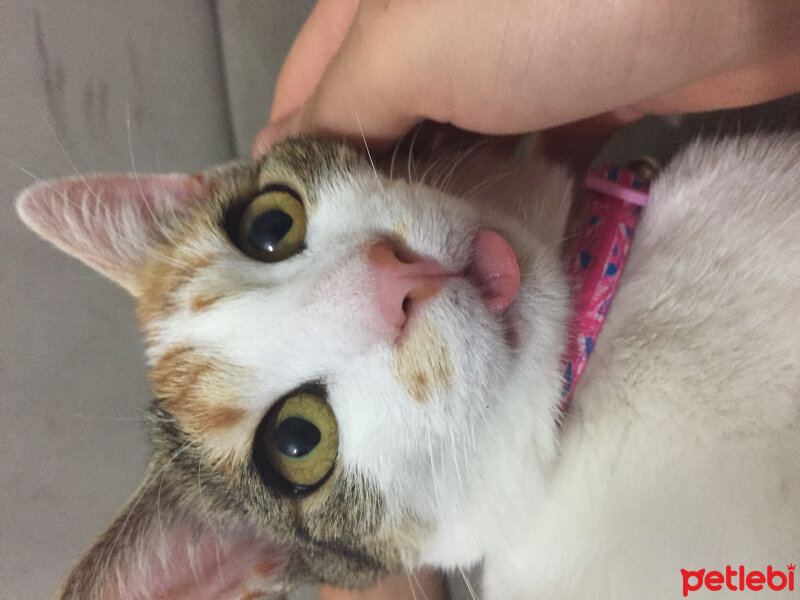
[738,579]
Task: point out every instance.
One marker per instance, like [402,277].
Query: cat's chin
[515,439]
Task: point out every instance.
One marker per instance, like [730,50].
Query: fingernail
[265,139]
[270,135]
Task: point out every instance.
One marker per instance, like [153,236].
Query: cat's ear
[157,549]
[109,222]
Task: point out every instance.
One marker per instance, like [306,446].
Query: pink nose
[401,283]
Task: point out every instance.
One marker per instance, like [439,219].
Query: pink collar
[615,197]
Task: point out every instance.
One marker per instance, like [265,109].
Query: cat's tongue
[494,269]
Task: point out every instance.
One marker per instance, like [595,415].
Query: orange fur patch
[162,278]
[203,302]
[422,363]
[197,390]
[401,229]
[267,568]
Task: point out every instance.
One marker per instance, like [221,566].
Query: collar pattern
[615,196]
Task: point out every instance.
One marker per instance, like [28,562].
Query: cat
[358,374]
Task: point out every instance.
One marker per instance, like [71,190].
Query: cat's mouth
[493,268]
[404,281]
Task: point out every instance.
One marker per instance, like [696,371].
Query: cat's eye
[272,226]
[299,440]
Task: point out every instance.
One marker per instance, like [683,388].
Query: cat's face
[341,362]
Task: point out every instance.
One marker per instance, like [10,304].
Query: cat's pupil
[268,229]
[296,437]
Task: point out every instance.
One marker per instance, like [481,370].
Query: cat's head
[347,369]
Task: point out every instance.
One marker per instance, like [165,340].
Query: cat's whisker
[204,502]
[66,154]
[159,255]
[471,591]
[106,219]
[106,418]
[162,530]
[162,230]
[441,460]
[145,487]
[391,162]
[193,562]
[419,585]
[157,155]
[33,176]
[176,221]
[210,520]
[468,442]
[217,551]
[455,462]
[435,163]
[109,218]
[479,187]
[560,241]
[149,415]
[565,196]
[445,176]
[443,180]
[520,563]
[411,585]
[410,159]
[59,193]
[436,489]
[461,156]
[543,205]
[369,155]
[436,483]
[491,431]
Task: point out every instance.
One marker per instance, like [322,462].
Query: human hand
[377,67]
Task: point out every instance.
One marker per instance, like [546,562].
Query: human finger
[752,85]
[374,82]
[316,43]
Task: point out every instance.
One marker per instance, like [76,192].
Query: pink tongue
[494,268]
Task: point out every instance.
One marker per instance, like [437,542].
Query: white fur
[680,448]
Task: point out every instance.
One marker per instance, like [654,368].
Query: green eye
[300,440]
[272,227]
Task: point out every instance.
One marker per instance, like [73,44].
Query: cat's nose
[401,283]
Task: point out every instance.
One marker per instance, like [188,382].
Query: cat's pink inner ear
[214,565]
[156,548]
[109,222]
